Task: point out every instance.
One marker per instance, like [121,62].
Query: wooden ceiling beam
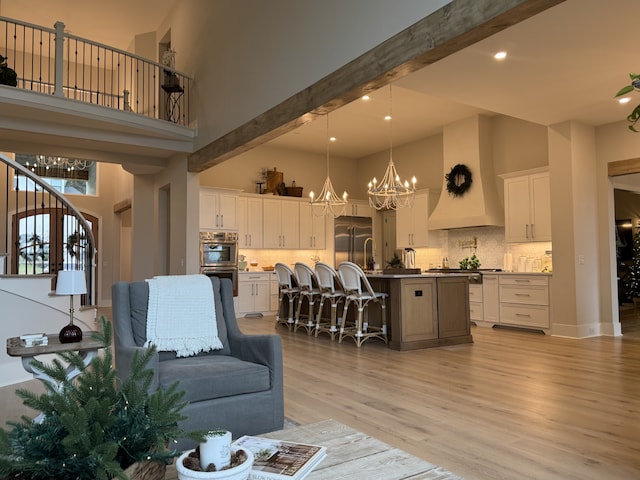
[451,28]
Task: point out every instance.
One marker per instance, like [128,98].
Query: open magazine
[280,460]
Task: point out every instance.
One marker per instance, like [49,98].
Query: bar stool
[287,287]
[333,291]
[353,280]
[310,292]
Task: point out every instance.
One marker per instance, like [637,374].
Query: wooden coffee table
[355,455]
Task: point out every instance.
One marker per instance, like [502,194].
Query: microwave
[218,249]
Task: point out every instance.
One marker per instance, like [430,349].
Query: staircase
[28,265]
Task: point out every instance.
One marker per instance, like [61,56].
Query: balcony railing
[53,62]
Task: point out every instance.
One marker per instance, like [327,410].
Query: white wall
[249,56]
[308,170]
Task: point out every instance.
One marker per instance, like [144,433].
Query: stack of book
[280,460]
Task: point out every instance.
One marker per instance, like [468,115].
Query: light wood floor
[512,405]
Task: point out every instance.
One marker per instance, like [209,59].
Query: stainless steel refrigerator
[350,236]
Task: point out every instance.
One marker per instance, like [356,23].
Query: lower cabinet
[524,301]
[254,293]
[475,302]
[490,299]
[424,311]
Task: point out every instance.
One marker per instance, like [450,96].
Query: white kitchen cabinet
[275,293]
[312,228]
[490,299]
[524,301]
[250,222]
[412,229]
[281,223]
[254,293]
[218,209]
[475,302]
[357,208]
[527,208]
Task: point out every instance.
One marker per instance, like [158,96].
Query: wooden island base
[425,310]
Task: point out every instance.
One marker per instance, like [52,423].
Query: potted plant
[8,75]
[96,425]
[634,116]
[472,263]
[214,459]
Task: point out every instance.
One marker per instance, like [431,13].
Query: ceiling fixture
[500,55]
[391,193]
[68,164]
[328,202]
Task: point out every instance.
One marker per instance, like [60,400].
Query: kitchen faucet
[373,251]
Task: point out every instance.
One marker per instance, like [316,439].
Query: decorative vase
[216,449]
[241,472]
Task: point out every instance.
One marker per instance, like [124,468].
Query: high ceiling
[565,63]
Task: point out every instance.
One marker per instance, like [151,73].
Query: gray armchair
[239,388]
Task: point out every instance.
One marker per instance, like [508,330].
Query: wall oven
[219,256]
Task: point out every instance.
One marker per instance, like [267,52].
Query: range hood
[468,142]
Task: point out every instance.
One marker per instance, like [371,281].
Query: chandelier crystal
[62,163]
[391,193]
[328,202]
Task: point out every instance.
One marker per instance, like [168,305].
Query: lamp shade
[71,282]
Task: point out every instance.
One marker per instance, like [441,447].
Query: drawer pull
[524,280]
[526,315]
[522,295]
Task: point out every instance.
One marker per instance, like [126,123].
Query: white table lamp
[71,282]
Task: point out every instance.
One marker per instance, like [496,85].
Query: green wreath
[458,180]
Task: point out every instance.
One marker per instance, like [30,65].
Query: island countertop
[415,275]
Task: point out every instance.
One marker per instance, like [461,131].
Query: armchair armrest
[125,357]
[262,349]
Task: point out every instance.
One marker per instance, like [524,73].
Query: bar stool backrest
[304,275]
[353,278]
[286,278]
[328,278]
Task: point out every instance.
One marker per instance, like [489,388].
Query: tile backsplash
[490,249]
[486,242]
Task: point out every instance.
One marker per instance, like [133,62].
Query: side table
[87,349]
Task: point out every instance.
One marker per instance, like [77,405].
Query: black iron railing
[53,62]
[42,231]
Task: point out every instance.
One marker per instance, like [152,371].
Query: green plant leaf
[624,90]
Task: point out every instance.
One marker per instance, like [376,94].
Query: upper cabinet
[359,208]
[281,223]
[250,222]
[312,228]
[527,208]
[412,229]
[218,209]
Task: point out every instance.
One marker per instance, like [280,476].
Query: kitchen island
[425,310]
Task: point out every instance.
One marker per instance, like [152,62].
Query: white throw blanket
[181,315]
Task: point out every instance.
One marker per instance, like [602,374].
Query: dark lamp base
[70,333]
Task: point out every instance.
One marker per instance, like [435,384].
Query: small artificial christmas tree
[95,425]
[632,282]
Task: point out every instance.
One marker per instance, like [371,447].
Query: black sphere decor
[458,180]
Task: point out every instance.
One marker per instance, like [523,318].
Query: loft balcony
[76,97]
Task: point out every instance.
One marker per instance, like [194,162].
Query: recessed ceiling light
[332,139]
[624,100]
[500,55]
[387,117]
[365,97]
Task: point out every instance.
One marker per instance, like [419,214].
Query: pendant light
[328,202]
[391,193]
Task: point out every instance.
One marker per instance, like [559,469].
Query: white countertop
[517,273]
